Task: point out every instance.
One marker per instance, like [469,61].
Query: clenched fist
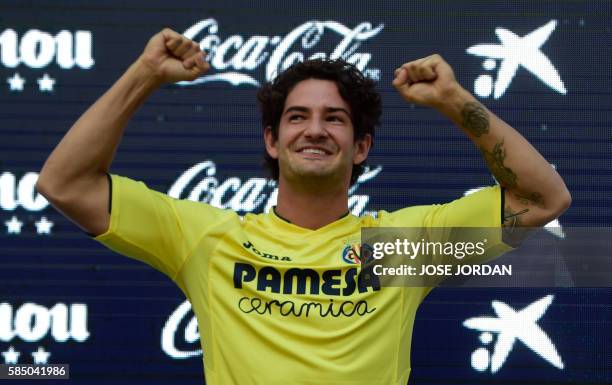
[429,81]
[172,57]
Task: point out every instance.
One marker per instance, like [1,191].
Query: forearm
[534,190]
[514,162]
[88,148]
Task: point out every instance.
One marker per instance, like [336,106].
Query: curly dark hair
[358,91]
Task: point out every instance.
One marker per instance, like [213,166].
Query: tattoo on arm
[475,118]
[495,159]
[512,219]
[507,178]
[534,198]
[513,232]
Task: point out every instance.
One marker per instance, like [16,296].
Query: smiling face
[315,136]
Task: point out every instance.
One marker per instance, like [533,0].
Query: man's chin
[317,176]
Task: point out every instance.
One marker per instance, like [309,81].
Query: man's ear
[362,148]
[270,142]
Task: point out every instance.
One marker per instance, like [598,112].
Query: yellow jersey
[277,303]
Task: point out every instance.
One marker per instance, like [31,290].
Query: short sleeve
[153,227]
[482,208]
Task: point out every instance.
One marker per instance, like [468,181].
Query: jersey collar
[285,223]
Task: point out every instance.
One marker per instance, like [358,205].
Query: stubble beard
[313,178]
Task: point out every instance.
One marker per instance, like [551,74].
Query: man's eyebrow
[336,109]
[296,108]
[306,109]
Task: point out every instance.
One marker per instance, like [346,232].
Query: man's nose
[316,129]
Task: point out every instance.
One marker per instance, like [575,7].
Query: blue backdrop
[66,299]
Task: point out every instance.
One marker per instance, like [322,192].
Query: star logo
[13,226]
[11,356]
[41,356]
[46,83]
[43,226]
[511,326]
[516,52]
[16,82]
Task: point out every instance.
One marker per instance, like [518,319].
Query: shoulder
[128,193]
[481,207]
[407,216]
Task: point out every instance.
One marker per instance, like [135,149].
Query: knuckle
[196,73]
[168,32]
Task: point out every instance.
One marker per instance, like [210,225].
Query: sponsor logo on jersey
[249,246]
[293,282]
[335,282]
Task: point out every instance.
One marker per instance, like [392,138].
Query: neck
[313,207]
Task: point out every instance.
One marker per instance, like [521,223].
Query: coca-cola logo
[235,58]
[187,344]
[199,183]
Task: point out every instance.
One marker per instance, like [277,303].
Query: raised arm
[73,179]
[534,192]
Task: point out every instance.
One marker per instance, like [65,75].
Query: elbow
[42,186]
[567,200]
[553,210]
[44,189]
[48,186]
[53,193]
[563,201]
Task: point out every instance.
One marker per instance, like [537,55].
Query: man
[275,302]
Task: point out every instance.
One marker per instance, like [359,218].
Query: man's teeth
[313,151]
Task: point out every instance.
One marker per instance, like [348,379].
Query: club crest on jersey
[356,253]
